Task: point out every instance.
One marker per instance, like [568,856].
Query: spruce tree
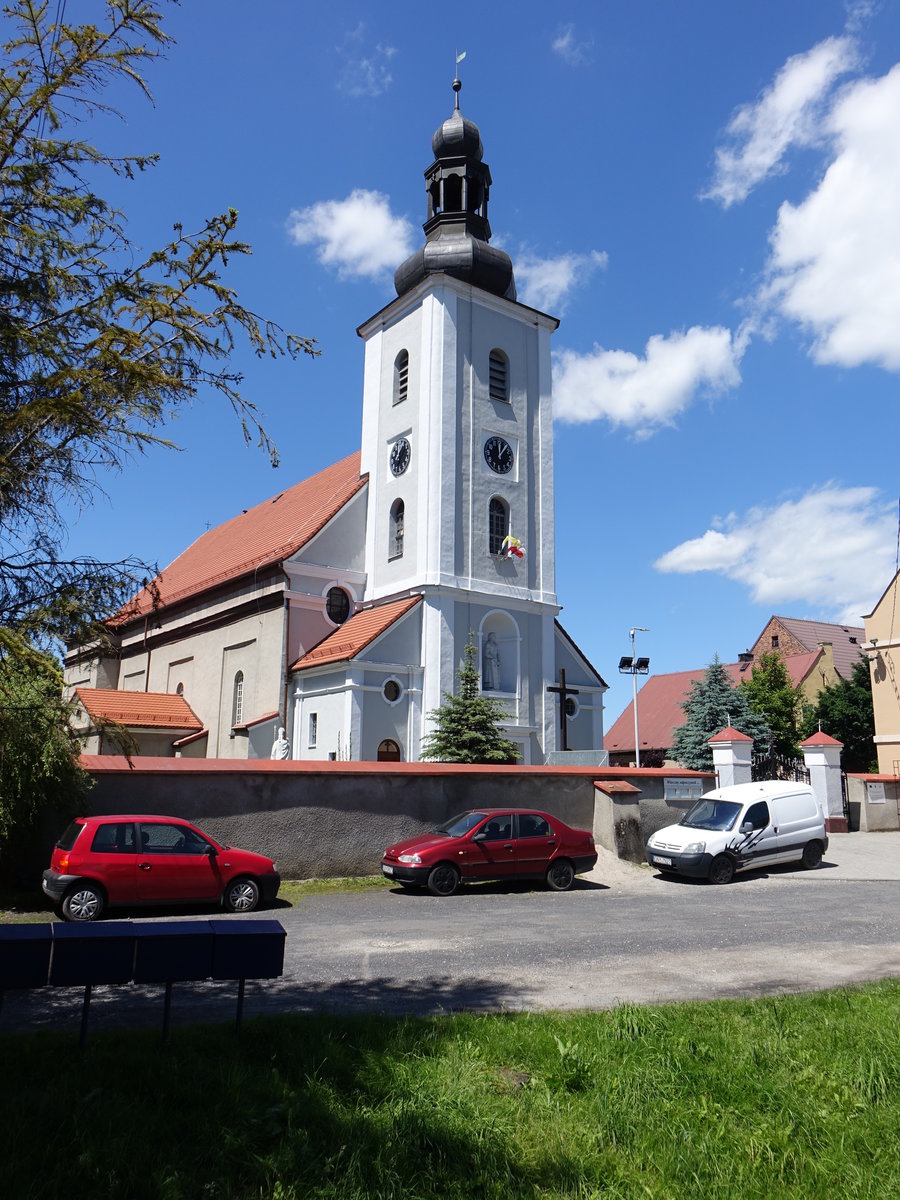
[712,704]
[467,725]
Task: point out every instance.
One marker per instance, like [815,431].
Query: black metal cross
[564,694]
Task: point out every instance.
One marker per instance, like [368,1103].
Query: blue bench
[117,952]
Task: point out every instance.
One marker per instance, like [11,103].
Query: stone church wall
[330,820]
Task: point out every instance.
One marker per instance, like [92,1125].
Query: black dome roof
[457,137]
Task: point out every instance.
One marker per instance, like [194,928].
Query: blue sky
[707,195]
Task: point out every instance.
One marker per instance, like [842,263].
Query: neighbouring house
[815,653]
[339,609]
[882,648]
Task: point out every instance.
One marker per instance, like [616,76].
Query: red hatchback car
[102,862]
[492,844]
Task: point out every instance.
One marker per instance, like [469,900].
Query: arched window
[401,376]
[237,699]
[395,536]
[388,751]
[337,605]
[498,524]
[499,376]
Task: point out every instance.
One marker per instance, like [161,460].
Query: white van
[737,828]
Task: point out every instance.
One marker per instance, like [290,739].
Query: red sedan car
[492,844]
[112,861]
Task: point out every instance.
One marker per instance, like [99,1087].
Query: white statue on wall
[281,747]
[491,664]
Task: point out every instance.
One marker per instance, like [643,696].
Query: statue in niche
[281,747]
[491,664]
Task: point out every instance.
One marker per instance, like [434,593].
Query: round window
[392,691]
[337,605]
[571,707]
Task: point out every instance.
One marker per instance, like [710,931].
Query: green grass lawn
[789,1097]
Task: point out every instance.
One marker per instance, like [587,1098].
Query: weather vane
[456,80]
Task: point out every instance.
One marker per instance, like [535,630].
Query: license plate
[662,862]
[387,870]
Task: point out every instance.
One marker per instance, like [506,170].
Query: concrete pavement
[850,856]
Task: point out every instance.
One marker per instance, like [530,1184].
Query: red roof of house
[258,537]
[145,710]
[660,699]
[354,635]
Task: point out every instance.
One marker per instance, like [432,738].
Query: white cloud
[571,49]
[643,394]
[788,113]
[359,236]
[545,283]
[366,72]
[835,258]
[833,549]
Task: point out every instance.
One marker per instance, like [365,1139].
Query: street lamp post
[635,666]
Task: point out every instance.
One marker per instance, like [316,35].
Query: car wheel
[721,869]
[443,880]
[812,855]
[241,896]
[560,875]
[83,902]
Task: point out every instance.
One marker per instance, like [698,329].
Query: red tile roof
[145,710]
[660,699]
[354,635]
[258,537]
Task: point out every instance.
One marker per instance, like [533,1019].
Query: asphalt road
[622,934]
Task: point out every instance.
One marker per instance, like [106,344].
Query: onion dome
[457,232]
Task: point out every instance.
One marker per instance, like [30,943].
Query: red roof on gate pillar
[821,739]
[729,734]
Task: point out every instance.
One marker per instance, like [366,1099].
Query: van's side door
[759,847]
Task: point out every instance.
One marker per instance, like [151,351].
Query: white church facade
[340,609]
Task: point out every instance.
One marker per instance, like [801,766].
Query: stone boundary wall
[335,819]
[875,809]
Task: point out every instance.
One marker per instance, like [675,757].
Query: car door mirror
[480,836]
[211,852]
[747,827]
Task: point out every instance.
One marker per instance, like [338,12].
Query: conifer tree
[712,704]
[467,725]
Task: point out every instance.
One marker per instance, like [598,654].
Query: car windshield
[460,826]
[711,814]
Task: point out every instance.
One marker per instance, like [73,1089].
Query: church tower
[458,446]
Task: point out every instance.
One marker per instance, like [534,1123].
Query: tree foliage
[712,704]
[844,711]
[100,343]
[467,725]
[38,750]
[772,695]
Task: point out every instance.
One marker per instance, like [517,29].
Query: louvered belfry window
[401,376]
[499,376]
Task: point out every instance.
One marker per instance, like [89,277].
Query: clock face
[498,455]
[400,456]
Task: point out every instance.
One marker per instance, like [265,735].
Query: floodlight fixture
[642,665]
[626,662]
